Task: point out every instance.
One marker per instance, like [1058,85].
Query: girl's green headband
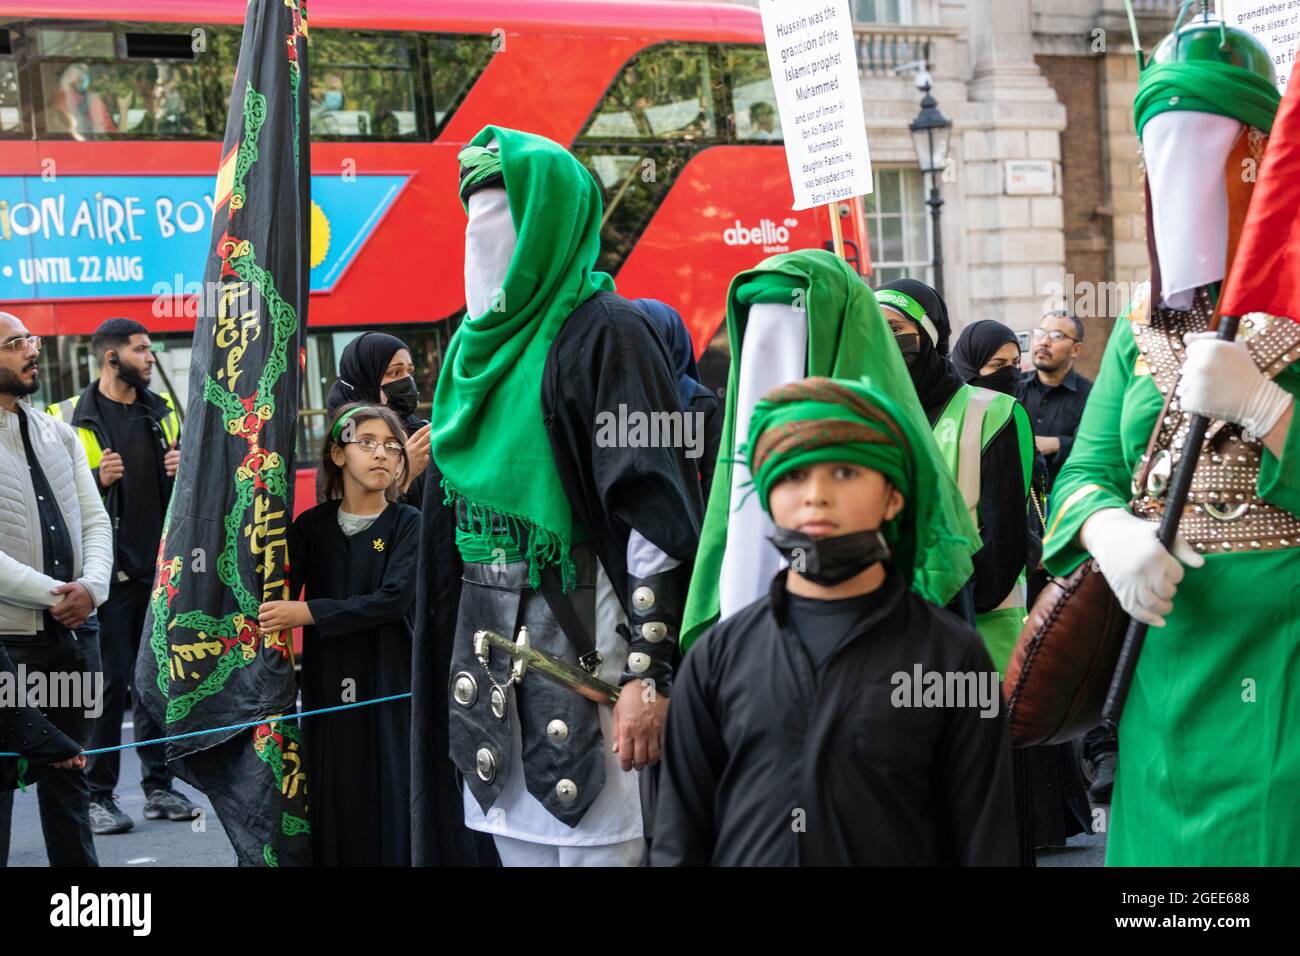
[338,425]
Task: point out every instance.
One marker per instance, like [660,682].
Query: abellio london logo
[767,234]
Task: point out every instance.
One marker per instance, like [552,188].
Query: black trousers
[121,620]
[63,795]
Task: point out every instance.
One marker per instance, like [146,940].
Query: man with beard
[56,555]
[1054,393]
[129,435]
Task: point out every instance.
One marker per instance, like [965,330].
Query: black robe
[756,735]
[604,355]
[27,731]
[439,836]
[357,761]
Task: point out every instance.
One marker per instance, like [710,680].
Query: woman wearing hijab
[696,398]
[377,368]
[987,355]
[994,483]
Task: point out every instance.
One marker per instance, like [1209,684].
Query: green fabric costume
[847,339]
[1001,626]
[1209,765]
[489,438]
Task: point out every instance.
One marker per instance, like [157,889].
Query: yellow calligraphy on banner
[238,323]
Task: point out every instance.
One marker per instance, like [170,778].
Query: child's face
[833,498]
[373,469]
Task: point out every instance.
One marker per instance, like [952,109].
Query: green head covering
[848,338]
[825,420]
[1208,67]
[489,438]
[821,420]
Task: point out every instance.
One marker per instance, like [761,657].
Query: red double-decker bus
[111,120]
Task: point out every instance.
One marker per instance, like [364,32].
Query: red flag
[1265,274]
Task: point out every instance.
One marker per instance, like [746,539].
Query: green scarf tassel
[22,774]
[483,547]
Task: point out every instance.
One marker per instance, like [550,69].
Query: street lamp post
[930,131]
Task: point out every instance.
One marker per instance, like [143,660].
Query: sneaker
[106,817]
[168,804]
[1102,778]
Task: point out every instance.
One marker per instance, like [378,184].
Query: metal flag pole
[1175,502]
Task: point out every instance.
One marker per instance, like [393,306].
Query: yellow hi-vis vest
[970,420]
[171,425]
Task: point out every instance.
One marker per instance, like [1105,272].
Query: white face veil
[490,241]
[1186,153]
[774,353]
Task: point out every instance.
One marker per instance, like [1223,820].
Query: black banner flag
[203,662]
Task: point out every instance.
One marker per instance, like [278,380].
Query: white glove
[1220,380]
[1143,575]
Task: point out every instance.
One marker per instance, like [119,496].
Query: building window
[882,11]
[898,222]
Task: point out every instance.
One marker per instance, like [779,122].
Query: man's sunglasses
[21,342]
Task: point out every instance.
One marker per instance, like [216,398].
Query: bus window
[152,90]
[455,62]
[752,99]
[634,180]
[667,93]
[11,109]
[365,86]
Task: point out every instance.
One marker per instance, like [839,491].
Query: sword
[527,658]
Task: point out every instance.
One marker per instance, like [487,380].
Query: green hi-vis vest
[171,426]
[970,420]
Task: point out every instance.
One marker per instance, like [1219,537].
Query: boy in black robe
[842,720]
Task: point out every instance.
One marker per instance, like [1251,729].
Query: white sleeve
[645,559]
[96,531]
[25,586]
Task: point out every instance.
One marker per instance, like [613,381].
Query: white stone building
[1045,81]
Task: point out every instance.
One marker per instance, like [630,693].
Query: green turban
[830,420]
[1209,67]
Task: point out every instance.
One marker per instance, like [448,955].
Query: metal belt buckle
[1226,511]
[590,662]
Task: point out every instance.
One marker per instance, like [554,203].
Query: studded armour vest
[1224,512]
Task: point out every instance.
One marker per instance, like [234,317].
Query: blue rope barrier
[243,726]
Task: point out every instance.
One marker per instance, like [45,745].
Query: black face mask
[909,343]
[1003,380]
[402,396]
[833,560]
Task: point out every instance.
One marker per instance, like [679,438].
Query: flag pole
[837,229]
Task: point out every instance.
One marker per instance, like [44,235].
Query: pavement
[198,842]
[202,842]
